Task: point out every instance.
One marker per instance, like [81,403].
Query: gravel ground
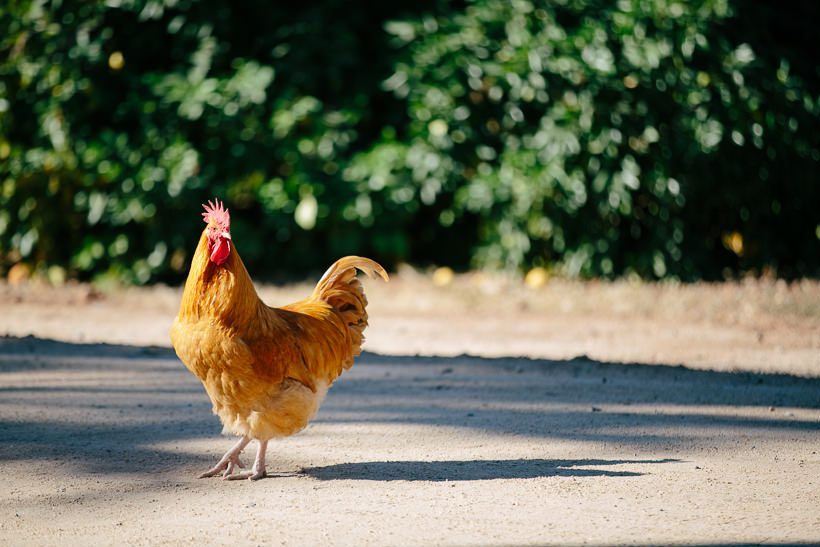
[483,412]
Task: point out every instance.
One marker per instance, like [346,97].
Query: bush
[646,136]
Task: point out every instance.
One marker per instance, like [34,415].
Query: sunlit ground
[755,325]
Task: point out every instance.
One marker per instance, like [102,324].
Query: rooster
[266,370]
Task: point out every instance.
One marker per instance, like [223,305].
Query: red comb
[216,212]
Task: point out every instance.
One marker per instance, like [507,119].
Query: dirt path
[570,423]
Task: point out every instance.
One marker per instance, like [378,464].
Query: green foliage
[609,138]
[648,136]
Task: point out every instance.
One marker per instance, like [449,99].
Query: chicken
[266,370]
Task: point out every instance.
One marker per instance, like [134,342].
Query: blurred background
[649,138]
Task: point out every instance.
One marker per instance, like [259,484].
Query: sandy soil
[483,413]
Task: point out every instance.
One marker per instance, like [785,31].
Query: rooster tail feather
[344,265]
[340,288]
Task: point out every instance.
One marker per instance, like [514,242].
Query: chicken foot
[229,461]
[258,470]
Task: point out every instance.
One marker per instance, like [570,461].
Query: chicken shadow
[124,409]
[473,470]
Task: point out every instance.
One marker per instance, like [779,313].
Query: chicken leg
[229,461]
[258,470]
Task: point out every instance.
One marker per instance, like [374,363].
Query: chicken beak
[226,235]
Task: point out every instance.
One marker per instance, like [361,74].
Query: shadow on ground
[105,408]
[472,470]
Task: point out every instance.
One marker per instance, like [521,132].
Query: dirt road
[571,421]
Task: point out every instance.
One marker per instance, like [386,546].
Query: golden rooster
[265,369]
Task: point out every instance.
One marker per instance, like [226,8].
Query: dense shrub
[652,136]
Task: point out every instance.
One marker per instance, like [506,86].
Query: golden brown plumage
[266,369]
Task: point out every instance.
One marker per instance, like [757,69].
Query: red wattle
[220,251]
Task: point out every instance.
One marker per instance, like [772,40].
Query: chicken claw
[258,471]
[229,461]
[252,475]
